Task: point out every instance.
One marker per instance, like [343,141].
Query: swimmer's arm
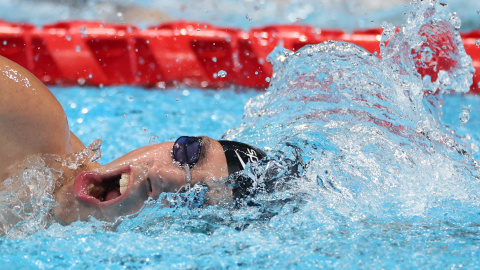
[32,121]
[76,144]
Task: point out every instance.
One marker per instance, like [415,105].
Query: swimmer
[32,122]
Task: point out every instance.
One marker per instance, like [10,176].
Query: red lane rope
[190,53]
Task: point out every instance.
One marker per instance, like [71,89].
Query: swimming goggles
[186,152]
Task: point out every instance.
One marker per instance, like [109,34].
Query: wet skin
[151,171]
[33,122]
[31,119]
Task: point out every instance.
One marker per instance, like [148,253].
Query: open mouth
[108,189]
[96,188]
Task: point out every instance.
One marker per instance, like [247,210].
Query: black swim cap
[239,154]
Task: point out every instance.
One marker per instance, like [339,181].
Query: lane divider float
[187,53]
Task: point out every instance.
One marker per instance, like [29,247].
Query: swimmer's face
[122,186]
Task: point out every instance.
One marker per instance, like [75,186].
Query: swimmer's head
[120,187]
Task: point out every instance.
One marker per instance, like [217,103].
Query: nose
[161,178]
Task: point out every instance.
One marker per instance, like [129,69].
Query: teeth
[94,191]
[90,188]
[123,182]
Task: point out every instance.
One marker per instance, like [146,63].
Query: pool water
[138,117]
[387,177]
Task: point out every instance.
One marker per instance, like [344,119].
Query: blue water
[138,117]
[388,180]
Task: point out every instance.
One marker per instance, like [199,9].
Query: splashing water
[378,180]
[368,130]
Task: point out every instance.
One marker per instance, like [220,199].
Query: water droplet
[456,22]
[222,73]
[153,140]
[477,42]
[69,38]
[83,31]
[17,209]
[214,59]
[464,116]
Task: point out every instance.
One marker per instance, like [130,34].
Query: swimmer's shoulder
[23,94]
[32,121]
